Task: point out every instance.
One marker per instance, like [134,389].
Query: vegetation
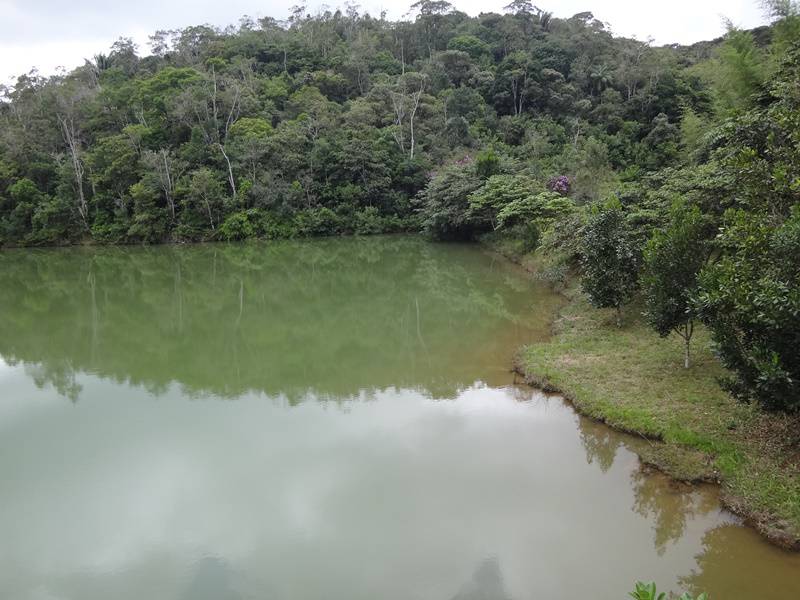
[672,261]
[337,123]
[610,260]
[647,591]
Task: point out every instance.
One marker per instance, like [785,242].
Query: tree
[406,99]
[25,198]
[610,260]
[750,299]
[205,196]
[149,223]
[672,262]
[444,205]
[346,112]
[740,71]
[71,102]
[166,169]
[431,14]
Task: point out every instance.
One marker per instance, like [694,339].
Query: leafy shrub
[610,260]
[240,225]
[273,227]
[369,221]
[444,204]
[320,221]
[647,591]
[52,222]
[750,299]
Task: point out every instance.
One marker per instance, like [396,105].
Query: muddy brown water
[325,419]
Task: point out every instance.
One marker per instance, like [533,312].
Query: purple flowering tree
[559,185]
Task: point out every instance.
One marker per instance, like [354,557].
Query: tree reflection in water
[735,564]
[211,580]
[327,318]
[669,505]
[487,583]
[601,443]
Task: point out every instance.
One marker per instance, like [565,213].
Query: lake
[327,419]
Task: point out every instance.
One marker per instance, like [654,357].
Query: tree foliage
[750,299]
[332,123]
[673,259]
[610,259]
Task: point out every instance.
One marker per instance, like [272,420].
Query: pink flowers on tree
[559,185]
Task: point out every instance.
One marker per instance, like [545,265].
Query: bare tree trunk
[398,103]
[168,184]
[210,213]
[230,170]
[688,329]
[416,96]
[686,353]
[73,145]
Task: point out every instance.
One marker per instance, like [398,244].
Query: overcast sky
[47,34]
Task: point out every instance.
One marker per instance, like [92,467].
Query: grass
[634,381]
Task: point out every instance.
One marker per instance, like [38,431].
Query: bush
[320,221]
[750,299]
[240,225]
[648,591]
[610,260]
[368,221]
[444,204]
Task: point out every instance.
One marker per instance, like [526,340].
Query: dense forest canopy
[332,122]
[551,131]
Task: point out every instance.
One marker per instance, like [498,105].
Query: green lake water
[331,419]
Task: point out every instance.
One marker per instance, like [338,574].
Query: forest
[669,173]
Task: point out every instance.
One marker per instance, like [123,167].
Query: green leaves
[610,259]
[647,591]
[673,259]
[750,299]
[444,209]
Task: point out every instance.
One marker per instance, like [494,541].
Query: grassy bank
[634,381]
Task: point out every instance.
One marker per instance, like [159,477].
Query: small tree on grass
[673,259]
[610,260]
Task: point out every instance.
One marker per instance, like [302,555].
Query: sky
[47,34]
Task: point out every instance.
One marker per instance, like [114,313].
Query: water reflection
[739,565]
[669,505]
[396,497]
[487,583]
[330,317]
[212,580]
[601,443]
[152,486]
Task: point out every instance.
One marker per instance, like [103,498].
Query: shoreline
[710,449]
